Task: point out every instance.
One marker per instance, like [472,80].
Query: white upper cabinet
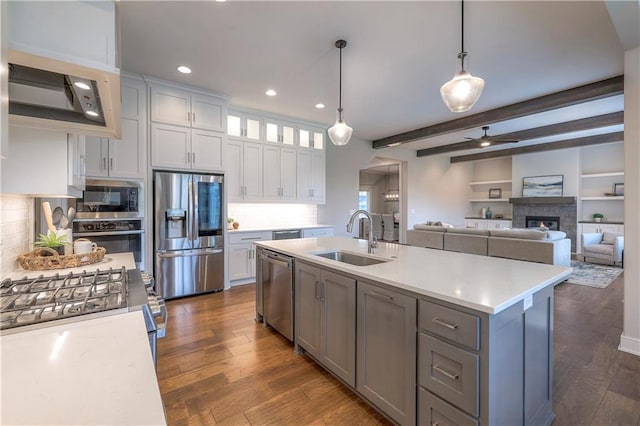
[80,32]
[280,132]
[243,173]
[182,148]
[187,129]
[310,175]
[188,109]
[244,126]
[311,137]
[279,173]
[124,157]
[56,163]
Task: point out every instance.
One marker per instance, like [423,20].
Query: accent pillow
[555,235]
[610,237]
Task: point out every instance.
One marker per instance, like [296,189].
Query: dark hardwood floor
[218,366]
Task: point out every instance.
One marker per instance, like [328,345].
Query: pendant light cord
[340,90]
[462,52]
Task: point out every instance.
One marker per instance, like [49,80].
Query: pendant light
[463,90]
[340,133]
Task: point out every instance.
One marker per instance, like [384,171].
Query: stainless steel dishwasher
[276,279]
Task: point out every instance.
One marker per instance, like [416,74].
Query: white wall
[438,190]
[561,162]
[630,339]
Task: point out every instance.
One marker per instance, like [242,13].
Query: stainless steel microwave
[105,199]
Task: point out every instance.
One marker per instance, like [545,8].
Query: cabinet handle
[188,116]
[104,163]
[248,254]
[193,157]
[445,372]
[444,324]
[193,116]
[111,164]
[381,296]
[317,285]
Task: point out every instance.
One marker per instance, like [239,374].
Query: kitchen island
[428,336]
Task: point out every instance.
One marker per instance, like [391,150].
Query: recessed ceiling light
[220,1]
[485,143]
[82,85]
[92,113]
[270,92]
[319,106]
[184,69]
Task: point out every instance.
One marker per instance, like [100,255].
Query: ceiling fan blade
[497,141]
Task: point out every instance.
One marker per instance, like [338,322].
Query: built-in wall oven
[110,213]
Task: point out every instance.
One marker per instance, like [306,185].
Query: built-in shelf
[490,182]
[489,200]
[612,198]
[600,175]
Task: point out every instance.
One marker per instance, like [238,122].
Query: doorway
[380,193]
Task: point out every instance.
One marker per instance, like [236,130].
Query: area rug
[593,275]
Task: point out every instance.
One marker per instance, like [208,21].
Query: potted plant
[597,217]
[230,221]
[52,241]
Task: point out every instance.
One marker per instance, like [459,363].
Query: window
[364,198]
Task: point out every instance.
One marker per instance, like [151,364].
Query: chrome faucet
[372,241]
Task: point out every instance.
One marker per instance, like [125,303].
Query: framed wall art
[542,186]
[495,193]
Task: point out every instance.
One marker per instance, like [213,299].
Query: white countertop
[486,284]
[110,260]
[279,228]
[97,371]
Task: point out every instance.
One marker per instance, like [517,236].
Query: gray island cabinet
[421,356]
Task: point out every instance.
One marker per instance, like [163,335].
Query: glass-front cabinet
[244,126]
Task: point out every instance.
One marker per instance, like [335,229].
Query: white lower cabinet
[242,255]
[386,351]
[487,223]
[325,324]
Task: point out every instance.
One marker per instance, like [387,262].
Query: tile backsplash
[16,230]
[250,215]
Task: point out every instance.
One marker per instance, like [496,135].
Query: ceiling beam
[568,143]
[588,92]
[588,123]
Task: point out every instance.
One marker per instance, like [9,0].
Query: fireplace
[562,209]
[551,223]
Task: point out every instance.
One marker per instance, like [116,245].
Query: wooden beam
[535,133]
[569,143]
[588,92]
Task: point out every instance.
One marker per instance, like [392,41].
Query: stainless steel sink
[352,258]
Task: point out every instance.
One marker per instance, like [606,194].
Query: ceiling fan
[486,140]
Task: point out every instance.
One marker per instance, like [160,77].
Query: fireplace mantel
[543,200]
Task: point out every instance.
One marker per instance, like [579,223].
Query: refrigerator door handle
[194,211]
[186,253]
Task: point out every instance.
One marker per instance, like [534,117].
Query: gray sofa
[551,247]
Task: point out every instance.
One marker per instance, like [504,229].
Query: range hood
[53,94]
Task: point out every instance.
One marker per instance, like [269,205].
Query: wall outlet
[528,302]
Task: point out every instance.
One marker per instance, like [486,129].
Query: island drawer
[456,326]
[450,372]
[434,411]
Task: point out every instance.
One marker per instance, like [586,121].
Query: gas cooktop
[34,300]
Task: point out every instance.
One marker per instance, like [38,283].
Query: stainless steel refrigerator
[189,241]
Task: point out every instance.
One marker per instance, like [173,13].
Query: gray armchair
[605,246]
